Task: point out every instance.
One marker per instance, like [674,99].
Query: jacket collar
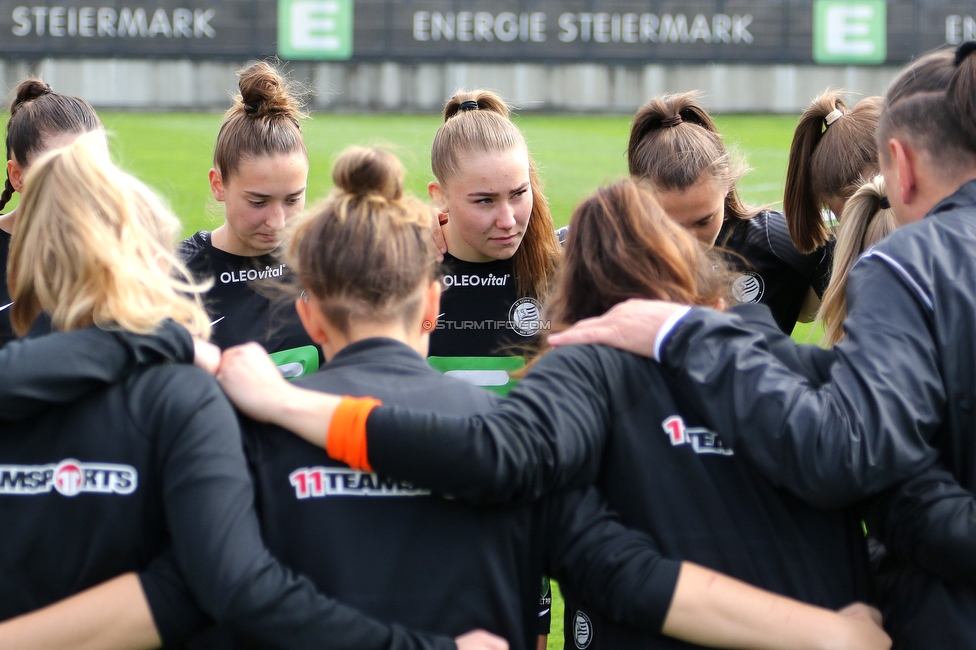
[382,350]
[965,195]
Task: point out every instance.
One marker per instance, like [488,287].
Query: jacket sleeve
[175,611]
[613,569]
[61,367]
[863,431]
[209,505]
[929,521]
[809,361]
[548,434]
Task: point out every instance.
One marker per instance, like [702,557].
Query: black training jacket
[151,465]
[383,546]
[592,414]
[400,553]
[769,269]
[902,393]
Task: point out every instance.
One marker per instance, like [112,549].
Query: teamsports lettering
[68,478]
[317,482]
[702,440]
[490,280]
[250,275]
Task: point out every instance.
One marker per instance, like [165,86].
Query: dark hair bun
[266,93]
[27,91]
[361,171]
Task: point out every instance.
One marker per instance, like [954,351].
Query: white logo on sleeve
[68,478]
[582,630]
[702,440]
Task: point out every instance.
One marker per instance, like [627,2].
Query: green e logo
[850,31]
[315,29]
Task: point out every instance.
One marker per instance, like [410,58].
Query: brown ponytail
[478,121]
[264,120]
[364,253]
[36,113]
[865,222]
[622,245]
[673,142]
[827,161]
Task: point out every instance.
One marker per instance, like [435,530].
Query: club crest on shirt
[525,317]
[748,287]
[582,630]
[68,478]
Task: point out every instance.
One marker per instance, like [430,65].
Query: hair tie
[468,105]
[884,204]
[964,51]
[833,116]
[671,121]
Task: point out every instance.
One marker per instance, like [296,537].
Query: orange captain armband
[346,440]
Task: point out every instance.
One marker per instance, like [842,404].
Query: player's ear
[431,306]
[217,184]
[16,175]
[311,317]
[436,193]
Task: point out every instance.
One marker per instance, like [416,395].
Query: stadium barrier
[574,55]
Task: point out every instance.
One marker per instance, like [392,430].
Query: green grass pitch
[172,152]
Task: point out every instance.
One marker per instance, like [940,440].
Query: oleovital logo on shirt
[252,275]
[69,478]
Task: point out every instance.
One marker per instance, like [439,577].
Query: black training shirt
[769,269]
[144,467]
[484,325]
[243,307]
[589,414]
[482,313]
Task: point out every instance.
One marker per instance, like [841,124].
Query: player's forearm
[111,616]
[714,610]
[307,413]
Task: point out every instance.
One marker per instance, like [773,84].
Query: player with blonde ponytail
[867,219]
[502,250]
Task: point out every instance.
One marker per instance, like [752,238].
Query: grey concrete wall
[390,86]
